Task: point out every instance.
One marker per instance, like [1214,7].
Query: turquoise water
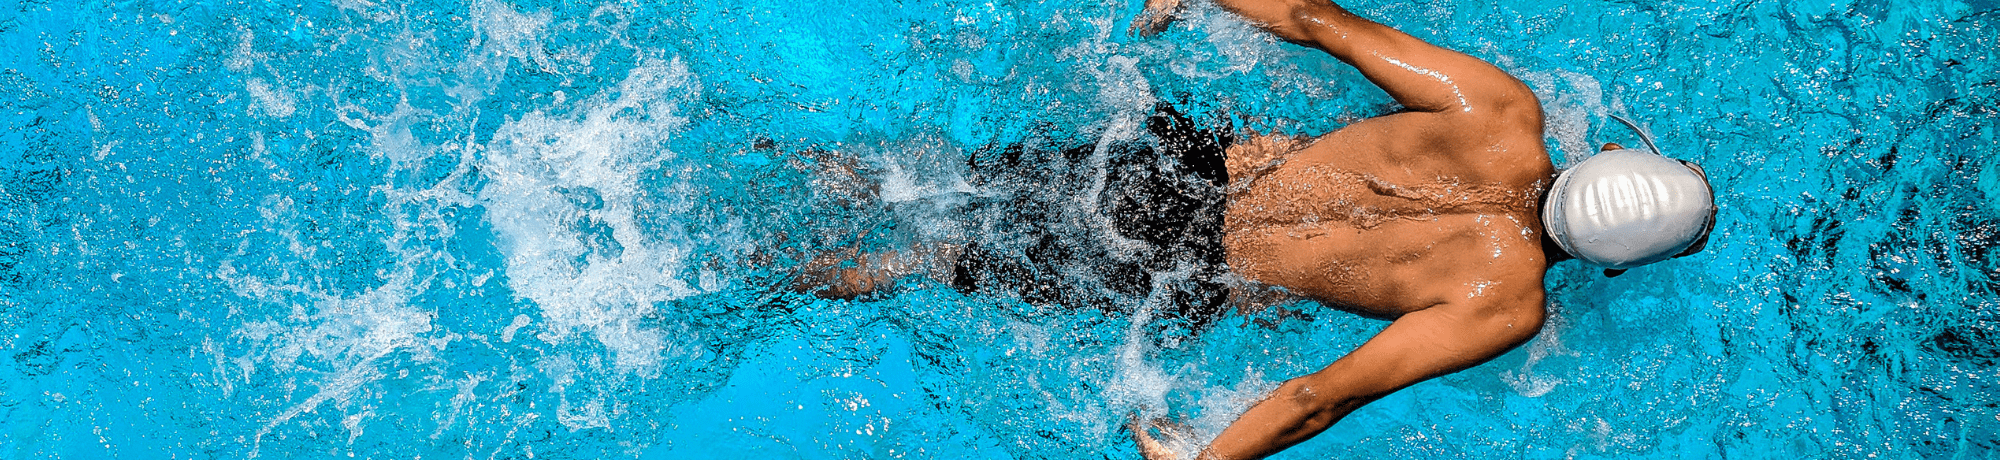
[495,229]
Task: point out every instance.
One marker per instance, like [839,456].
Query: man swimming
[1442,217]
[1433,217]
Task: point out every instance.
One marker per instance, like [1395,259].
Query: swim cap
[1629,207]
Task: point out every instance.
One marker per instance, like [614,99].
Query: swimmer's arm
[1416,347]
[1420,76]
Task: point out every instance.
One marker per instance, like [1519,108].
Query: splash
[1572,103]
[565,199]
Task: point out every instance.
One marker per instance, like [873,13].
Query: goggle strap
[1643,135]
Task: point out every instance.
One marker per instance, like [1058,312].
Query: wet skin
[1428,217]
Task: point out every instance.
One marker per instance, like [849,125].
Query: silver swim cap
[1625,208]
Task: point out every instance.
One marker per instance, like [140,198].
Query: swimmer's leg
[1417,347]
[848,274]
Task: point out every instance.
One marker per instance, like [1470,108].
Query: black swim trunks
[1077,226]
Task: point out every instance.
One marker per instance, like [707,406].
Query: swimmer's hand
[1152,448]
[1158,15]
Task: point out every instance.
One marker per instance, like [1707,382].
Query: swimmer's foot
[1157,448]
[1158,15]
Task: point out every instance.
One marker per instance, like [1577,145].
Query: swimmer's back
[1403,212]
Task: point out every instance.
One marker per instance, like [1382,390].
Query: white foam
[562,370]
[512,34]
[1220,407]
[1141,384]
[246,51]
[271,99]
[1571,100]
[1128,96]
[328,342]
[460,400]
[1240,44]
[1524,380]
[345,334]
[922,167]
[276,102]
[372,10]
[557,182]
[507,333]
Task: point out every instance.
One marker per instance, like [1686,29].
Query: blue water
[493,229]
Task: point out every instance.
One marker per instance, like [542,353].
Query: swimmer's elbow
[1290,20]
[1321,400]
[1511,323]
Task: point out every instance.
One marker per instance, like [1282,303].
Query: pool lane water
[489,229]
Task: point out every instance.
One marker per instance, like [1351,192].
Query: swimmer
[1442,218]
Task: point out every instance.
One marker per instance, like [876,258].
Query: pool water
[487,229]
